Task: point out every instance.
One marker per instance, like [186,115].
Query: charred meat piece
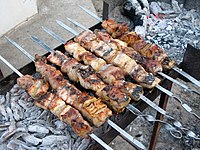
[116,30]
[76,50]
[168,63]
[114,98]
[57,58]
[96,111]
[80,54]
[92,60]
[65,113]
[89,80]
[130,38]
[133,90]
[110,73]
[34,86]
[69,93]
[84,39]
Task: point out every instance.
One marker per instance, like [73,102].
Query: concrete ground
[49,11]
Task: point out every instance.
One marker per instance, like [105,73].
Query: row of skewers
[106,63]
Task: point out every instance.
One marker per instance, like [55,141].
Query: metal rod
[124,133]
[54,35]
[179,83]
[189,77]
[78,24]
[45,46]
[183,73]
[11,66]
[21,49]
[67,27]
[58,38]
[102,143]
[91,13]
[160,73]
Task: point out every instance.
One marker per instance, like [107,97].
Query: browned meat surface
[110,73]
[116,30]
[114,98]
[35,87]
[80,54]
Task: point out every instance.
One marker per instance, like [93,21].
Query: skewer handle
[11,66]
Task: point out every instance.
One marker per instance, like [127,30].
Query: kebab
[92,36]
[121,131]
[37,88]
[167,61]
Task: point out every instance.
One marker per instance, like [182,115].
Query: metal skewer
[180,71]
[127,136]
[160,73]
[92,135]
[153,105]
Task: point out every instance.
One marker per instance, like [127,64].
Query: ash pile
[169,25]
[26,126]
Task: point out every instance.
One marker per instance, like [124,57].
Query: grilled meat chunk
[110,73]
[84,39]
[89,80]
[116,30]
[114,98]
[68,65]
[94,108]
[35,87]
[133,90]
[87,57]
[76,50]
[66,113]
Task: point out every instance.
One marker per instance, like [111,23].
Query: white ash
[172,27]
[25,126]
